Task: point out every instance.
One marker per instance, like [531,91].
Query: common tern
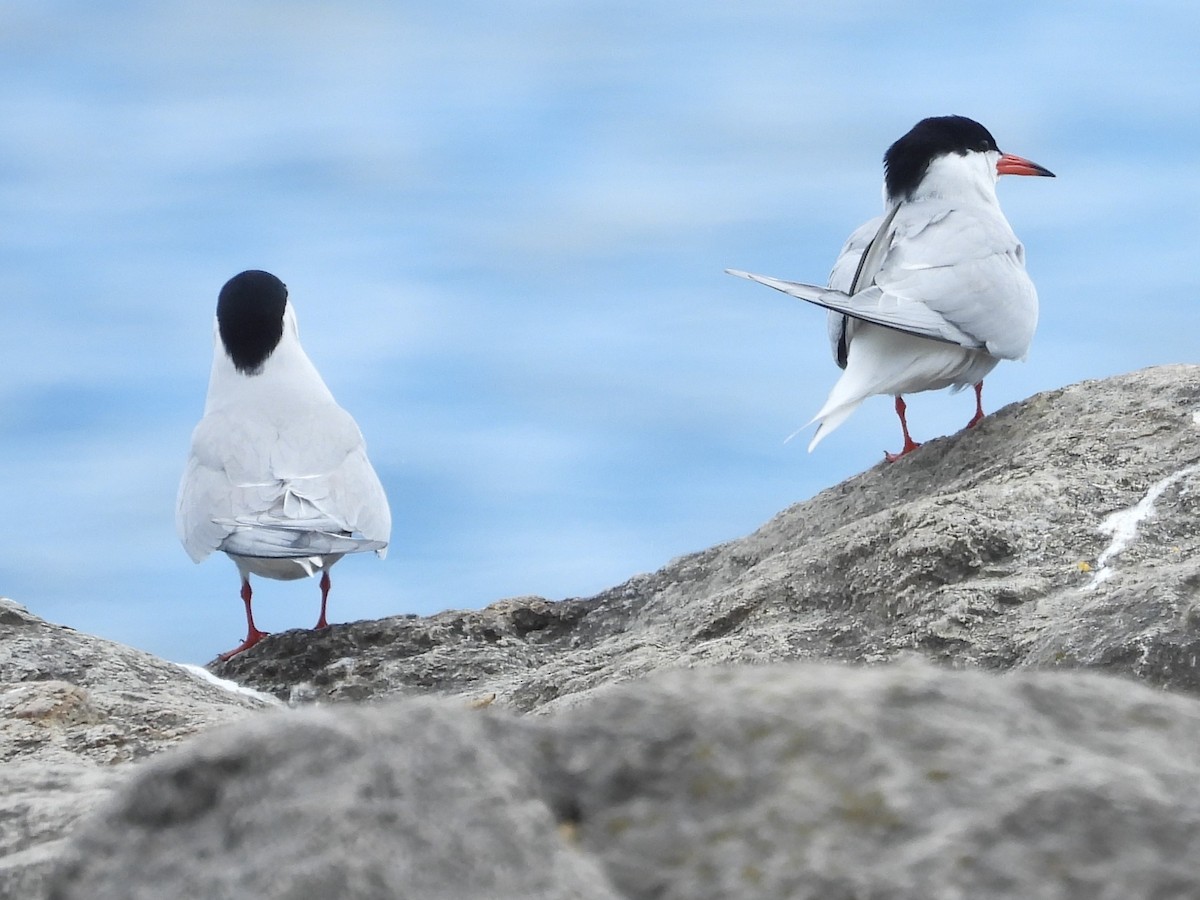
[278,476]
[934,292]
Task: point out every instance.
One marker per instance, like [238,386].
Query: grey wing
[357,495]
[874,306]
[856,265]
[258,489]
[968,269]
[955,277]
[296,540]
[203,500]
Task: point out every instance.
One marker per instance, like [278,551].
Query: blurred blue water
[504,229]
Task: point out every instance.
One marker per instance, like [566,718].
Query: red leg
[321,622]
[253,635]
[909,444]
[978,406]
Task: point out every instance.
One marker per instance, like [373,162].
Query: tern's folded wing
[293,541]
[875,306]
[308,476]
[940,272]
[967,266]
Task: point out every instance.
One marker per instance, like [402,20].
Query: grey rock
[792,781]
[902,781]
[982,549]
[420,800]
[75,712]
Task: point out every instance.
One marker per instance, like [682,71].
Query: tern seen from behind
[933,293]
[278,476]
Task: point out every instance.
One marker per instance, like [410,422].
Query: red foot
[975,419]
[322,622]
[251,639]
[253,635]
[909,444]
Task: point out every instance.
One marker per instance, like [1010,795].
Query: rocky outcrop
[1060,532]
[874,695]
[75,712]
[800,781]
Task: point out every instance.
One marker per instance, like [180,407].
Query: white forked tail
[888,362]
[831,419]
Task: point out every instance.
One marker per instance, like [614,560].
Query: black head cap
[250,318]
[907,160]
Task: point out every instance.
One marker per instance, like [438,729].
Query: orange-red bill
[1011,164]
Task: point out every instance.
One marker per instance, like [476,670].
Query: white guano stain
[232,686]
[1123,524]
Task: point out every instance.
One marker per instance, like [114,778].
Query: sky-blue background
[503,226]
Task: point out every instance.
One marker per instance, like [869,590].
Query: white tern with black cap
[933,293]
[278,476]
